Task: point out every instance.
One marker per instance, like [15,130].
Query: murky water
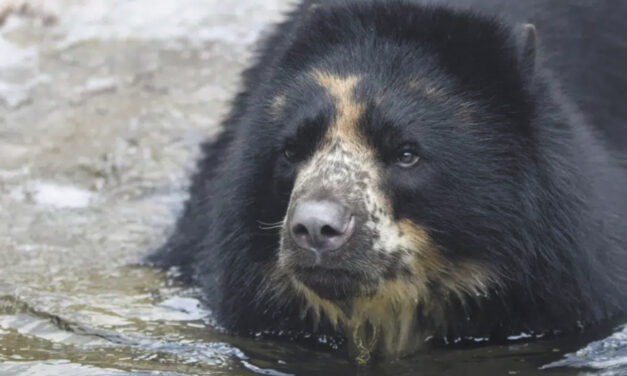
[102,106]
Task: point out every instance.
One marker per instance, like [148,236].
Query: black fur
[532,182]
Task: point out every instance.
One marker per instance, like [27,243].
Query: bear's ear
[312,10]
[313,7]
[308,14]
[527,49]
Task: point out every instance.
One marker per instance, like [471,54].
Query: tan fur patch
[381,323]
[461,278]
[347,109]
[385,321]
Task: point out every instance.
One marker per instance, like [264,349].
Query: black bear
[399,173]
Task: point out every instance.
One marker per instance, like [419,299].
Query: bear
[401,174]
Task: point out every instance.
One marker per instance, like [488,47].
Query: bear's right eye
[290,152]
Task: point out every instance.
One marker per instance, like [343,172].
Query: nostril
[329,232]
[300,230]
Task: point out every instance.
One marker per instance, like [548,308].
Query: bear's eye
[290,152]
[406,158]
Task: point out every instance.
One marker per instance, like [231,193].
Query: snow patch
[15,95]
[13,55]
[100,85]
[53,194]
[10,174]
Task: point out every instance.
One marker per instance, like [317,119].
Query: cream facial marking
[347,109]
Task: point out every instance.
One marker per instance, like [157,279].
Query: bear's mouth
[334,283]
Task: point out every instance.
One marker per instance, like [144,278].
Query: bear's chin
[335,284]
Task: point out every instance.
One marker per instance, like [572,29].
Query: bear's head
[397,155]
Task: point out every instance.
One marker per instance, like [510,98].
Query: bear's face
[382,181]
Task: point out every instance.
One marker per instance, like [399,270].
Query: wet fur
[524,230]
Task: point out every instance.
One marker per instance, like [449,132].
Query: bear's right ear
[313,7]
[527,49]
[307,14]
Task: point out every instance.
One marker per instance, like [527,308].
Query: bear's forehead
[362,102]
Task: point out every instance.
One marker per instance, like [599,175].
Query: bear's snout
[321,225]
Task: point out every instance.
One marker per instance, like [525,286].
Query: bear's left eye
[406,158]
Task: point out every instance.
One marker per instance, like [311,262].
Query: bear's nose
[321,225]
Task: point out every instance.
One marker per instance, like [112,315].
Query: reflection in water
[102,106]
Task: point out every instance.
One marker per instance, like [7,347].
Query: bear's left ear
[526,39]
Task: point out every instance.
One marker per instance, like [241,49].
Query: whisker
[270,227]
[270,223]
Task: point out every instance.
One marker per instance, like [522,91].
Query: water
[102,107]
